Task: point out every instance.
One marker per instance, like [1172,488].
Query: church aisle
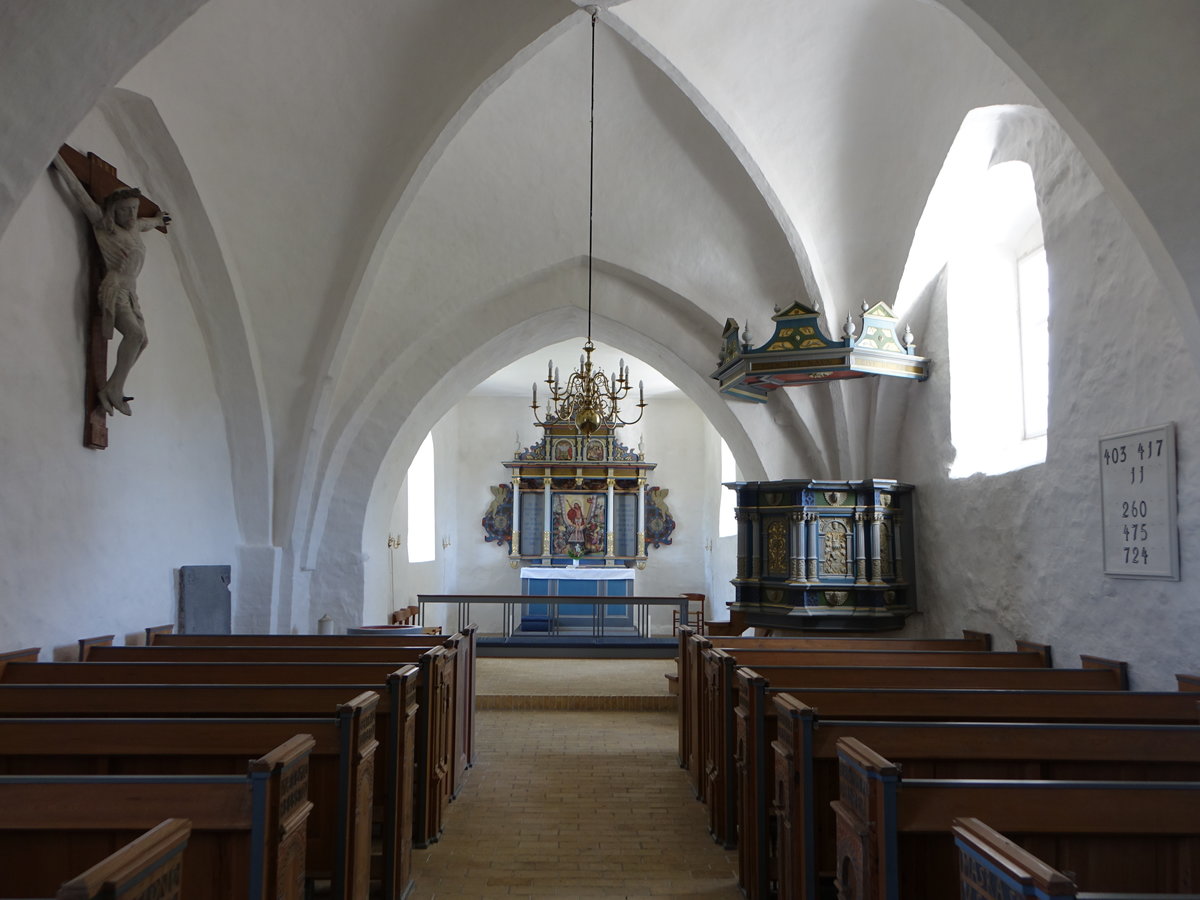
[575,804]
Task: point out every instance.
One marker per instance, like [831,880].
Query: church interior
[385,218]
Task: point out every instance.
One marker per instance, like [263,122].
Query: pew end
[153,631]
[984,854]
[983,637]
[1188,683]
[86,644]
[150,865]
[1117,667]
[1042,650]
[29,654]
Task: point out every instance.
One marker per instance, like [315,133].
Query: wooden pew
[689,673]
[742,727]
[460,680]
[692,674]
[341,768]
[441,762]
[894,835]
[766,660]
[465,642]
[396,732]
[151,862]
[718,715]
[991,867]
[806,775]
[248,831]
[436,710]
[989,705]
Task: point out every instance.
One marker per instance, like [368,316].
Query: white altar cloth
[576,573]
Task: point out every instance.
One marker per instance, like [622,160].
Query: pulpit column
[798,548]
[811,524]
[756,551]
[876,559]
[743,542]
[860,552]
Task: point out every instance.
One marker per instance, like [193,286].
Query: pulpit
[825,555]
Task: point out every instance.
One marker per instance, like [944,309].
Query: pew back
[198,672]
[439,757]
[462,643]
[405,822]
[247,842]
[341,767]
[689,673]
[740,726]
[895,838]
[730,719]
[806,775]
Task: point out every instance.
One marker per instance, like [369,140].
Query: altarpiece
[576,498]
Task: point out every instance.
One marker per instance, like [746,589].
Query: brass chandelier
[590,399]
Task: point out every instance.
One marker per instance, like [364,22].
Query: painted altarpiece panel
[579,519]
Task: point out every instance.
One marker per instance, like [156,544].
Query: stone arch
[362,482]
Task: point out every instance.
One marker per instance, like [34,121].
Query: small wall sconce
[393,541]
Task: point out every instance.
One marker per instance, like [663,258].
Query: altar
[580,581]
[576,581]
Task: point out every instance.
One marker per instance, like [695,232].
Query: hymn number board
[1137,499]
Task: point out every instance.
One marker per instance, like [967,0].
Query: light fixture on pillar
[590,398]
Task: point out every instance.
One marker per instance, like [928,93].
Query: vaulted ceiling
[383,194]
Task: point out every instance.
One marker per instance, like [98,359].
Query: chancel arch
[680,445]
[365,472]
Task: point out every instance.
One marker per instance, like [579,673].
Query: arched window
[997,306]
[727,518]
[422,518]
[1033,299]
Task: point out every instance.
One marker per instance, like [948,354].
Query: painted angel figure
[118,234]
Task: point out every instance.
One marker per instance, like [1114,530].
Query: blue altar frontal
[576,581]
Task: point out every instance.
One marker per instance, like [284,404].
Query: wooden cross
[99,179]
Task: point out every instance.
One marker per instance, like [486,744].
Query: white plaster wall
[1019,555]
[679,440]
[91,540]
[721,551]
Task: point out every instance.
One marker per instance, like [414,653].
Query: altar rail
[510,604]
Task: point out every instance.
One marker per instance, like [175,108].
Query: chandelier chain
[591,171]
[590,400]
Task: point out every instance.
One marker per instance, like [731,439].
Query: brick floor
[575,804]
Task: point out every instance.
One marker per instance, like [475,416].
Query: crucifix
[118,214]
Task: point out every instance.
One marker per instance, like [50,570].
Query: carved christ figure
[118,234]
